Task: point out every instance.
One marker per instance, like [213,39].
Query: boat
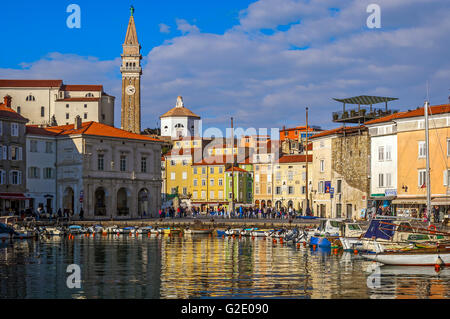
[95,229]
[260,232]
[128,230]
[221,232]
[6,232]
[171,231]
[233,231]
[144,230]
[190,231]
[247,231]
[76,230]
[276,233]
[413,257]
[53,231]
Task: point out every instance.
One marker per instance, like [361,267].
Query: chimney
[7,101]
[78,123]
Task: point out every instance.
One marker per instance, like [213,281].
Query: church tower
[131,80]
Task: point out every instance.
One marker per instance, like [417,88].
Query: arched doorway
[143,201]
[100,202]
[269,203]
[257,203]
[290,204]
[122,202]
[278,205]
[68,200]
[263,203]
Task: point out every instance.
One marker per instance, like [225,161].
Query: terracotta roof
[9,113]
[294,159]
[98,129]
[179,111]
[36,130]
[95,88]
[339,130]
[435,109]
[79,99]
[30,83]
[236,169]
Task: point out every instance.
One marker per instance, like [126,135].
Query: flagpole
[427,173]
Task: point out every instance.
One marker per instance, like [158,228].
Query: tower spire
[131,37]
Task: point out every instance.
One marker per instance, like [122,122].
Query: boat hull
[410,259]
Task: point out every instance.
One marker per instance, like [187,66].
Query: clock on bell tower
[131,80]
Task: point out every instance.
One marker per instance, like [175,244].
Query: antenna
[428,92]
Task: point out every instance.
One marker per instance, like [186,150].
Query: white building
[40,169]
[50,102]
[383,162]
[180,122]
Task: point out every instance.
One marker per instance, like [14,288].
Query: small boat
[221,233]
[233,231]
[109,230]
[53,231]
[260,232]
[276,233]
[198,231]
[76,230]
[144,230]
[95,229]
[128,230]
[247,231]
[171,231]
[413,257]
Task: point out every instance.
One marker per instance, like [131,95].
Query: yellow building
[289,182]
[411,154]
[208,182]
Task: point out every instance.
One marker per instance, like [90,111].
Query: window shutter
[5,152]
[20,153]
[19,178]
[445,178]
[9,153]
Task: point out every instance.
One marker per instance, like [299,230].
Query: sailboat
[437,256]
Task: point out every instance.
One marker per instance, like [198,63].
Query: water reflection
[202,267]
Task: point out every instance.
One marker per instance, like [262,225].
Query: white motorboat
[144,230]
[413,257]
[190,231]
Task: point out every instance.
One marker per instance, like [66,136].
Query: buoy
[253,237]
[304,244]
[298,245]
[281,240]
[118,234]
[233,236]
[240,236]
[314,247]
[223,236]
[439,264]
[130,234]
[355,252]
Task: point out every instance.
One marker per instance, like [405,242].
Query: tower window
[42,111]
[85,116]
[18,109]
[30,98]
[89,95]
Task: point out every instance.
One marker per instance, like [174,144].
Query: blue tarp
[374,230]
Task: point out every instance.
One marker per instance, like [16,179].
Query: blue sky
[260,61]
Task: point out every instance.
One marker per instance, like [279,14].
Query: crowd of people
[42,213]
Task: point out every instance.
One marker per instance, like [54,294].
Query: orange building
[296,133]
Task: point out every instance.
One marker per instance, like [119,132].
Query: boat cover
[377,229]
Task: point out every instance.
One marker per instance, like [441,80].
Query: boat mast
[427,173]
[306,188]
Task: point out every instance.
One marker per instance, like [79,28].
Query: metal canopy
[365,100]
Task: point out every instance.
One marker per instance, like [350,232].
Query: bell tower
[131,79]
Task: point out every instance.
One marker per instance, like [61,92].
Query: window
[321,187]
[33,146]
[172,163]
[257,190]
[278,190]
[195,182]
[85,106]
[195,194]
[278,176]
[4,152]
[220,195]
[195,170]
[14,129]
[2,177]
[381,153]
[269,178]
[30,98]
[422,149]
[256,167]
[388,153]
[220,170]
[269,189]
[322,165]
[15,153]
[203,170]
[211,194]
[203,182]
[184,175]
[172,176]
[103,116]
[123,163]
[48,173]
[388,179]
[291,190]
[16,177]
[211,170]
[380,180]
[184,191]
[448,145]
[257,178]
[422,177]
[338,186]
[173,190]
[67,106]
[220,182]
[33,172]
[203,194]
[48,147]
[143,164]
[18,110]
[100,162]
[290,175]
[184,162]
[85,116]
[230,195]
[42,111]
[67,116]
[303,189]
[446,177]
[211,182]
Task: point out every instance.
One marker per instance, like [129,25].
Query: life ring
[434,229]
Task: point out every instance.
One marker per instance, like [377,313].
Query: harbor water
[202,266]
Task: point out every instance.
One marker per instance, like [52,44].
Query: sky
[261,62]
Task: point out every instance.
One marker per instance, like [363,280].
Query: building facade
[12,159]
[51,102]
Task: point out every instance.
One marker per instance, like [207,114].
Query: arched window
[179,125]
[42,111]
[30,98]
[89,95]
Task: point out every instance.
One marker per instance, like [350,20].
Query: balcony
[361,116]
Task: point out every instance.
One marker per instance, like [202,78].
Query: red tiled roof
[30,83]
[435,109]
[98,129]
[236,169]
[80,99]
[95,88]
[339,130]
[294,159]
[36,130]
[9,113]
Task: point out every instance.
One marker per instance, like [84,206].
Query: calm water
[202,267]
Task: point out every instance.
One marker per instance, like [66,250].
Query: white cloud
[164,28]
[263,81]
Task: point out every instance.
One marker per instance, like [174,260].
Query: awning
[13,196]
[409,201]
[441,201]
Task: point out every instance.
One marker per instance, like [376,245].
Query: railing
[362,113]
